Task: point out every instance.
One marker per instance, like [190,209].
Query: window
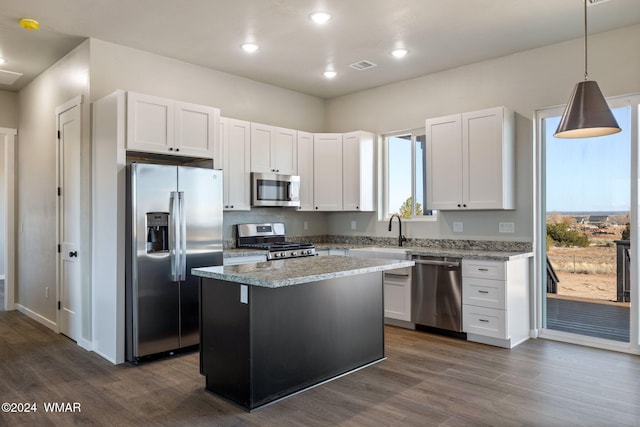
[406,175]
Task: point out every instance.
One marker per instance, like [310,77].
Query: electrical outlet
[458,227]
[305,225]
[506,227]
[354,225]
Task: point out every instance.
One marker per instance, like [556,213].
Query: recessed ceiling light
[320,17]
[330,74]
[399,53]
[3,61]
[250,47]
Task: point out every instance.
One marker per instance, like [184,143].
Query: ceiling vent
[9,77]
[595,2]
[363,65]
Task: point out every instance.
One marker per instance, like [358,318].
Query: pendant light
[587,113]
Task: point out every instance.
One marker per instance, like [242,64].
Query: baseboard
[105,356]
[37,317]
[86,344]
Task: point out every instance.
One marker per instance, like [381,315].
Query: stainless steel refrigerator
[174,223]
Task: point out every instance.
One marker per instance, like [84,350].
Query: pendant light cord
[586,74]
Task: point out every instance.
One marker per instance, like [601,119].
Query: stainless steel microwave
[270,189]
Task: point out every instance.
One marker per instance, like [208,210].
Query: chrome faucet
[401,238]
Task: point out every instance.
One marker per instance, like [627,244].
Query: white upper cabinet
[358,176]
[274,149]
[165,126]
[470,159]
[305,170]
[196,130]
[150,124]
[236,146]
[327,171]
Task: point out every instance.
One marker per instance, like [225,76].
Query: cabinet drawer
[483,292]
[483,269]
[489,322]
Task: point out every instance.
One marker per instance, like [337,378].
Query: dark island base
[285,340]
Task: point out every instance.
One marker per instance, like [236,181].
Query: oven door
[275,190]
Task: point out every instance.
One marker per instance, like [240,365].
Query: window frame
[383,206]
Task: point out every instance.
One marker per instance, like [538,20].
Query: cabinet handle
[73,254]
[459,205]
[177,149]
[483,269]
[483,320]
[483,292]
[231,206]
[316,208]
[171,149]
[464,206]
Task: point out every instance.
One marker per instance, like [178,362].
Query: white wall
[36,184]
[237,97]
[8,109]
[524,82]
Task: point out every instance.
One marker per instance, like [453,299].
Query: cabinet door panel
[327,172]
[284,149]
[483,133]
[351,172]
[444,151]
[261,137]
[195,129]
[235,153]
[397,297]
[305,170]
[149,123]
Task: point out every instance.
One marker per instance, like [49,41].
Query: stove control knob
[294,253]
[276,255]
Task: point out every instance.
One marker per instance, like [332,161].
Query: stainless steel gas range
[271,238]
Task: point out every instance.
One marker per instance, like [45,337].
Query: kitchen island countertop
[275,274]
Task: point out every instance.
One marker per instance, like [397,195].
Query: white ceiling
[439,34]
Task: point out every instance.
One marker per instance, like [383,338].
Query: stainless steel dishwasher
[436,292]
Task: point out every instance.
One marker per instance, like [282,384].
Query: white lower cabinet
[397,294]
[495,298]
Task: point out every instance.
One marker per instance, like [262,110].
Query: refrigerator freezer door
[201,191]
[153,296]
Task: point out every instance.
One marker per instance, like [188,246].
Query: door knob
[73,254]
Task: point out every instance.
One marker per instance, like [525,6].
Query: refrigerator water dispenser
[157,232]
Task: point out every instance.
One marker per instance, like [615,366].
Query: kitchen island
[272,329]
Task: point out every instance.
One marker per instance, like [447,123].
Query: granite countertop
[493,255]
[275,274]
[447,252]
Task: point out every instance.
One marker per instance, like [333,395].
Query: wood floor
[426,380]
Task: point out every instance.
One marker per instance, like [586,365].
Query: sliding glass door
[586,222]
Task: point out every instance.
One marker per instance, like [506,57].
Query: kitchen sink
[379,252]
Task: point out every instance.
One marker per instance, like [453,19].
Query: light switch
[244,294]
[458,227]
[354,225]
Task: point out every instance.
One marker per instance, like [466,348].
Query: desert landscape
[588,272]
[585,272]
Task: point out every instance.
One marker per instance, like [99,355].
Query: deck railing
[623,261]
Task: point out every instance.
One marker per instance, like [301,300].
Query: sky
[589,174]
[400,172]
